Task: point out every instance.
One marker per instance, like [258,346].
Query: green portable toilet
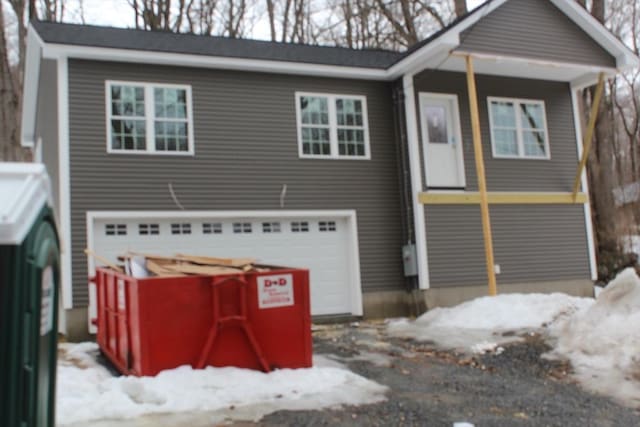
[29,280]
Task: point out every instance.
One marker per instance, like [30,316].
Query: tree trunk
[460,7]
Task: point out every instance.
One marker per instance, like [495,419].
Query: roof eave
[625,58]
[56,51]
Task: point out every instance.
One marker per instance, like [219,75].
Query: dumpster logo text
[275,291]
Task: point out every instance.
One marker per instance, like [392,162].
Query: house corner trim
[591,247]
[416,181]
[64,184]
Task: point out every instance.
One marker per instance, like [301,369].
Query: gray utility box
[410,260]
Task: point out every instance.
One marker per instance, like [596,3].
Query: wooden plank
[230,262]
[482,182]
[503,198]
[201,269]
[588,136]
[103,260]
[160,270]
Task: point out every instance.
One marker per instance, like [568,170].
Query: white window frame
[519,128]
[150,117]
[333,126]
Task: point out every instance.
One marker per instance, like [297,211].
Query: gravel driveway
[435,388]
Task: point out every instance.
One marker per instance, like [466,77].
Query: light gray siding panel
[534,29]
[531,243]
[245,150]
[556,174]
[47,122]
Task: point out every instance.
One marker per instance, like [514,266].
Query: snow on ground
[603,341]
[600,337]
[487,322]
[88,392]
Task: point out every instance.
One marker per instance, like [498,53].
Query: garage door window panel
[149,118]
[212,228]
[242,228]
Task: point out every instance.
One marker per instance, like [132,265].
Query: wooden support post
[482,183]
[588,136]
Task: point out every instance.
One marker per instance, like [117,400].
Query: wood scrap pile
[181,264]
[152,265]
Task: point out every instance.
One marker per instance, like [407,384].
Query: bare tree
[233,18]
[12,76]
[52,10]
[159,14]
[460,7]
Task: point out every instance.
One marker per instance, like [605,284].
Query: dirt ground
[436,388]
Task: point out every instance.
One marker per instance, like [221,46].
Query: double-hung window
[518,128]
[149,118]
[332,126]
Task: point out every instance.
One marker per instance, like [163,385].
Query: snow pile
[487,322]
[603,342]
[87,391]
[601,338]
[632,244]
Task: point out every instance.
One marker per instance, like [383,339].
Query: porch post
[482,183]
[588,136]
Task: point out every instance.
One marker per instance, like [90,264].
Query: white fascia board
[560,65]
[425,56]
[625,58]
[30,94]
[449,40]
[220,214]
[590,79]
[216,62]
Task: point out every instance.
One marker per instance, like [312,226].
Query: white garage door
[326,244]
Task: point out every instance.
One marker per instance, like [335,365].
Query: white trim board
[64,184]
[413,142]
[591,246]
[350,215]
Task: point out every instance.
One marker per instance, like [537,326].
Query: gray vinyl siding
[534,29]
[245,149]
[532,242]
[47,122]
[556,174]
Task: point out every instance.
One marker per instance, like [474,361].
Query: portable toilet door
[29,283]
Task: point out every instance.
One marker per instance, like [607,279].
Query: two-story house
[327,158]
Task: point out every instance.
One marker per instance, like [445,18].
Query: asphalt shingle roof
[163,41]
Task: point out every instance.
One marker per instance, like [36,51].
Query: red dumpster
[256,320]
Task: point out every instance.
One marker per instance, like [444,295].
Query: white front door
[441,140]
